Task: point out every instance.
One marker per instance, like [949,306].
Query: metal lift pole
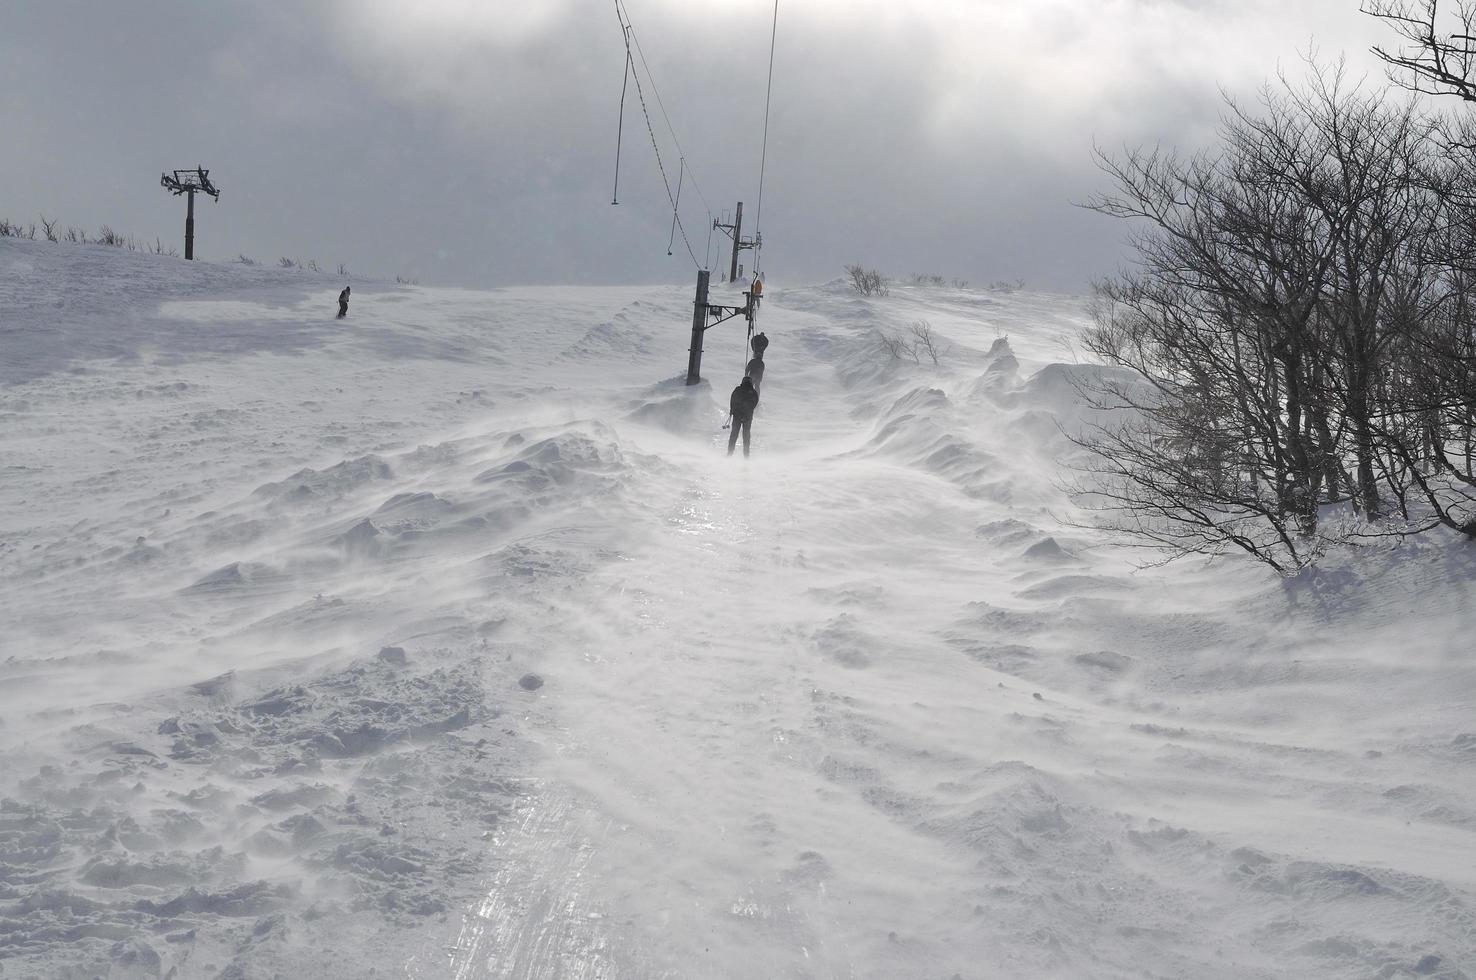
[737,242]
[190,225]
[699,327]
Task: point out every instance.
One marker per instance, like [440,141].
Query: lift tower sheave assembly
[735,232]
[187,182]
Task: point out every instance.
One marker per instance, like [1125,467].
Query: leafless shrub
[924,341]
[31,232]
[1006,286]
[407,281]
[107,236]
[960,284]
[343,270]
[6,228]
[867,282]
[928,279]
[48,228]
[897,347]
[286,263]
[244,260]
[312,264]
[76,236]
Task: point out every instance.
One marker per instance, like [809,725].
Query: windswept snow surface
[445,641]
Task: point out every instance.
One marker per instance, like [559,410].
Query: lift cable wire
[665,180]
[620,124]
[764,154]
[682,172]
[629,32]
[661,104]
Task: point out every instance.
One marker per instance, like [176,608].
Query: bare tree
[1440,56]
[48,228]
[1287,293]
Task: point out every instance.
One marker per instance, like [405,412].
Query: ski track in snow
[860,706]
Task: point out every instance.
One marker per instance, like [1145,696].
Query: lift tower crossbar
[706,315]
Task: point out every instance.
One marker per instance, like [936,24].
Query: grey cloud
[472,148]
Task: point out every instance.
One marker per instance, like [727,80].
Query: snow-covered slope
[272,587]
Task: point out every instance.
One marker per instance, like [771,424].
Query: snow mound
[582,455]
[677,407]
[626,334]
[1001,372]
[240,820]
[1047,549]
[846,642]
[235,578]
[914,431]
[1061,395]
[1069,586]
[331,484]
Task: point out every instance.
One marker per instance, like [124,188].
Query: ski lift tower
[735,232]
[188,182]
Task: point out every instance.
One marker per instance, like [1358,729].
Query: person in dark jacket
[742,403]
[760,344]
[756,371]
[343,302]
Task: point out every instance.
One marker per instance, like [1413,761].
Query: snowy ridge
[272,589]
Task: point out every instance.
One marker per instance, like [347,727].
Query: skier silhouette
[760,344]
[744,400]
[756,371]
[343,299]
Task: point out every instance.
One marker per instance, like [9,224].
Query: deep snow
[868,704]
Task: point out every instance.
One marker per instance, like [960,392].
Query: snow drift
[272,587]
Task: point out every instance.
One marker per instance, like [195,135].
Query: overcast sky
[473,142]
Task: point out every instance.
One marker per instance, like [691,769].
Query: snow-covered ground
[868,704]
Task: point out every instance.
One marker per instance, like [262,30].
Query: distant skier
[756,371]
[756,290]
[744,400]
[760,344]
[343,299]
